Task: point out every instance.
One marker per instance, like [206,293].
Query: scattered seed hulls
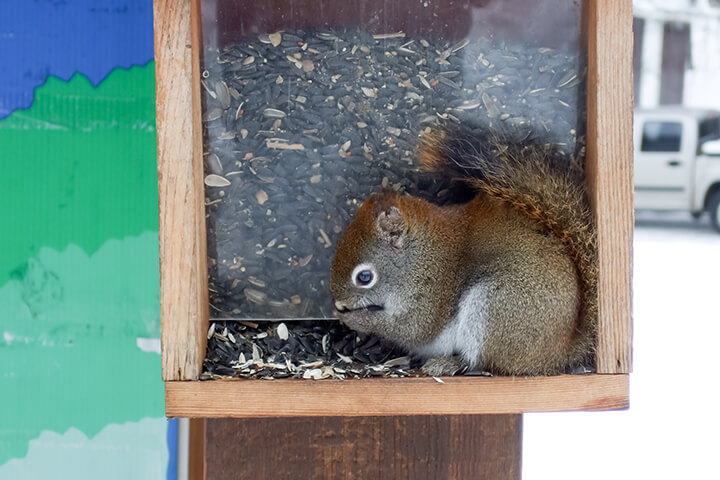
[309,350]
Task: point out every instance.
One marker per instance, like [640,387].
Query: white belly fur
[465,334]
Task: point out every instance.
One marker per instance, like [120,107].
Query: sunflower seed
[256,282]
[275,38]
[282,331]
[327,36]
[406,51]
[398,362]
[369,92]
[283,145]
[383,36]
[274,113]
[490,105]
[207,89]
[214,166]
[223,94]
[212,114]
[460,45]
[213,180]
[255,296]
[469,106]
[315,374]
[261,196]
[325,238]
[568,78]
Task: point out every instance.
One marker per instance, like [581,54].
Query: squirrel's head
[384,268]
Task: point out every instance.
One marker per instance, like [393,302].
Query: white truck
[677,161]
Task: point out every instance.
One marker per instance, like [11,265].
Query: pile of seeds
[309,350]
[301,126]
[314,350]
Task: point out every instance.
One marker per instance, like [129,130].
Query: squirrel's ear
[391,226]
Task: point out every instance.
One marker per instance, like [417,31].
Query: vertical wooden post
[379,448]
[183,246]
[196,449]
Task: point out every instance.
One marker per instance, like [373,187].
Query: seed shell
[213,180]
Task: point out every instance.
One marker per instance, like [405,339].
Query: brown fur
[524,176]
[526,238]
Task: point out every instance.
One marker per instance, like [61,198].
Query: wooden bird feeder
[606,34]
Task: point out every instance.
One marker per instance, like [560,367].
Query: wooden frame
[184,294]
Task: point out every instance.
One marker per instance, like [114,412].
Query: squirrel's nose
[341,306]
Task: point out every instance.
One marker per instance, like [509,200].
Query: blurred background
[80,389]
[671,429]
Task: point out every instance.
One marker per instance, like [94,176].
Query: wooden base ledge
[395,396]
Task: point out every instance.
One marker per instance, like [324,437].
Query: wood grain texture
[610,174]
[196,450]
[183,259]
[380,448]
[394,396]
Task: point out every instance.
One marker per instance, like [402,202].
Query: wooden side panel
[395,396]
[610,173]
[183,260]
[381,448]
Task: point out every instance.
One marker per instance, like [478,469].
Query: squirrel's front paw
[443,366]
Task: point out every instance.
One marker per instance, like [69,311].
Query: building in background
[677,53]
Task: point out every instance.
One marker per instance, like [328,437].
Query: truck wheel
[714,209]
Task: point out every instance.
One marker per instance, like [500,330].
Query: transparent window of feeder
[310,106]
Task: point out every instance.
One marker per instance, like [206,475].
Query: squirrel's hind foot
[443,366]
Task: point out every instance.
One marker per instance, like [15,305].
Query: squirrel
[506,283]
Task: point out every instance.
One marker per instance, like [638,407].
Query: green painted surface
[78,166]
[79,269]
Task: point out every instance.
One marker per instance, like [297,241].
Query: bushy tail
[535,179]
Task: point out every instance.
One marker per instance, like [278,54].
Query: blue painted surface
[172,438]
[39,38]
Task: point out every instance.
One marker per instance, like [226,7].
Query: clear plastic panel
[310,106]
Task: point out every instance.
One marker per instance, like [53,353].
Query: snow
[672,428]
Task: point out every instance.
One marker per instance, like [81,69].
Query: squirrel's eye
[364,276]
